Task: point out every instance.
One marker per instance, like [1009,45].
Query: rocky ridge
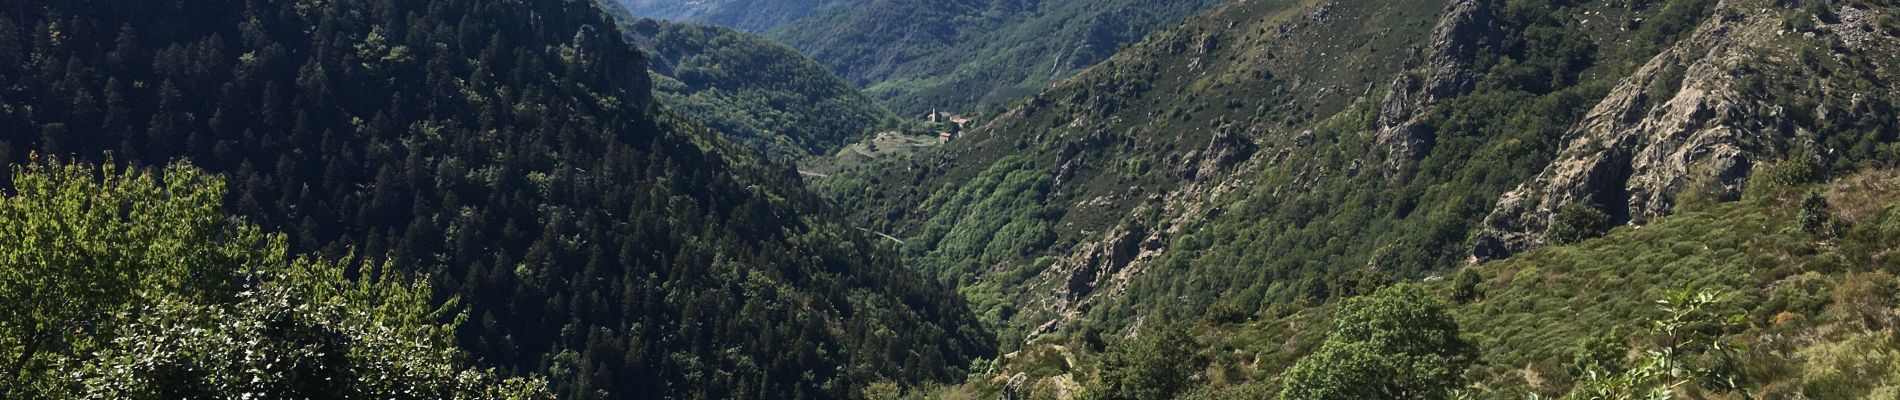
[1682,122]
[1445,73]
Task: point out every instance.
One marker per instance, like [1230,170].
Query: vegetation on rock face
[1710,303]
[1276,231]
[1239,161]
[1114,142]
[124,284]
[510,151]
[959,55]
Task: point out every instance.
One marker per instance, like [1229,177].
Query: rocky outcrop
[1102,269]
[1445,72]
[1680,120]
[1013,389]
[1101,260]
[1224,149]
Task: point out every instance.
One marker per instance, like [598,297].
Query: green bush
[1778,178]
[1799,296]
[1577,222]
[1692,355]
[1465,288]
[1227,312]
[1398,343]
[1815,217]
[1156,365]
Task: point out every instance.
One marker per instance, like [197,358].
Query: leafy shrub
[1604,353]
[1465,288]
[1577,222]
[1153,366]
[1691,355]
[1801,295]
[1868,298]
[1815,217]
[1227,312]
[1398,343]
[1777,179]
[1819,10]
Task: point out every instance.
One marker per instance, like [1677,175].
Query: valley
[959,199]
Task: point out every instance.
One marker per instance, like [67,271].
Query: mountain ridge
[755,92]
[962,55]
[1232,162]
[744,15]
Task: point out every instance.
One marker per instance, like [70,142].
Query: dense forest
[513,153]
[1011,199]
[127,284]
[754,91]
[744,15]
[961,56]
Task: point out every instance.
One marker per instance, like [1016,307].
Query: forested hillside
[1203,199]
[755,91]
[513,152]
[1785,294]
[745,15]
[1076,180]
[1271,158]
[957,55]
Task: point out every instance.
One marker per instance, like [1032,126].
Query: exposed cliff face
[1446,73]
[1687,120]
[1631,152]
[1102,269]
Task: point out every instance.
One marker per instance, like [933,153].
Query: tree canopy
[513,153]
[127,284]
[1156,365]
[1397,343]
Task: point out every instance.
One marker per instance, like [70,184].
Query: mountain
[1073,181]
[512,151]
[1266,159]
[1339,199]
[745,15]
[754,91]
[962,55]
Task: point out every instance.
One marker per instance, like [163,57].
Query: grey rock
[1638,148]
[1013,389]
[1446,72]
